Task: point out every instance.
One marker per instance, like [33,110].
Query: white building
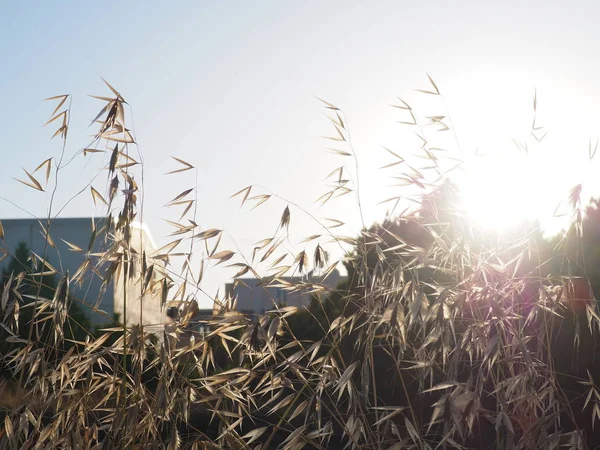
[99,305]
[253,298]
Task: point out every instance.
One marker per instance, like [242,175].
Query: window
[281,296]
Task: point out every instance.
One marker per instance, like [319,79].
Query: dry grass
[438,345]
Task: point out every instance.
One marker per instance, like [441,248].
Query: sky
[232,88]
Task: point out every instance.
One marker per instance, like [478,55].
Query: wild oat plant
[443,336]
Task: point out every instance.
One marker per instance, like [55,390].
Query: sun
[501,192]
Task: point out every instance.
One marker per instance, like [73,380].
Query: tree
[22,262]
[312,323]
[23,286]
[427,288]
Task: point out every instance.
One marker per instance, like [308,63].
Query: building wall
[142,306]
[255,299]
[78,231]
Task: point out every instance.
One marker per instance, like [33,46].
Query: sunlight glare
[501,192]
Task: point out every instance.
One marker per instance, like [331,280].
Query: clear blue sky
[231,86]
